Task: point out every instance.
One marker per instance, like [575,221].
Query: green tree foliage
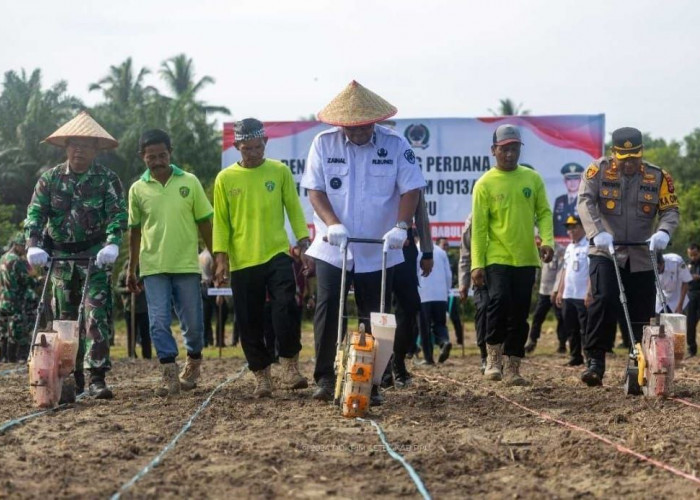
[507,107]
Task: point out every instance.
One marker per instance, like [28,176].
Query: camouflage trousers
[68,279]
[14,328]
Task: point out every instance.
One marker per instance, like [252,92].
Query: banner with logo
[454,152]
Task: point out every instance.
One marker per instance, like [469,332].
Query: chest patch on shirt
[336,183]
[184,191]
[270,186]
[527,192]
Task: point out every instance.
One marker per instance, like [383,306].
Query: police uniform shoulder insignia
[669,180]
[592,171]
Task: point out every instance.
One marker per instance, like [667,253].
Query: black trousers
[454,309]
[481,301]
[250,285]
[142,332]
[605,309]
[542,307]
[510,294]
[406,301]
[367,288]
[693,315]
[575,314]
[433,321]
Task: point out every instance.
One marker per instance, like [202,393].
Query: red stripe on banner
[274,130]
[584,133]
[450,230]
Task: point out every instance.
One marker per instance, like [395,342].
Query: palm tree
[121,88]
[178,73]
[507,107]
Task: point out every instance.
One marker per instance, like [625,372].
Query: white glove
[107,255]
[37,257]
[604,241]
[337,236]
[658,241]
[395,238]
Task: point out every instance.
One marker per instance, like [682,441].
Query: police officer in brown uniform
[622,198]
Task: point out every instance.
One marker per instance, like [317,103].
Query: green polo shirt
[168,217]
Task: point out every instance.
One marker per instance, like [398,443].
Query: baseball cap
[505,134]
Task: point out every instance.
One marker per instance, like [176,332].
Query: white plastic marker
[215,292]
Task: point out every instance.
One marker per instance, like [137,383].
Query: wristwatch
[402,225]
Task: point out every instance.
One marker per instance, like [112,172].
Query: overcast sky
[635,61]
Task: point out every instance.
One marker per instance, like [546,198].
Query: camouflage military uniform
[14,272]
[81,213]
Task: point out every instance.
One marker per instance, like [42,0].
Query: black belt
[77,246]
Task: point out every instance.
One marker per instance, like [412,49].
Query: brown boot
[171,382]
[190,373]
[512,371]
[494,363]
[291,377]
[263,383]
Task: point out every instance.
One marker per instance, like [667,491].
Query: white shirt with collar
[364,185]
[436,286]
[576,265]
[675,273]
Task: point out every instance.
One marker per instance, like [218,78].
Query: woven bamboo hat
[356,106]
[82,125]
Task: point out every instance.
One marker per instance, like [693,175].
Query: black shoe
[325,389]
[79,382]
[483,365]
[574,362]
[444,352]
[98,388]
[376,399]
[530,346]
[561,349]
[387,380]
[691,354]
[593,374]
[403,381]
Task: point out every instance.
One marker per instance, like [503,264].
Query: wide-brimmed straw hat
[356,106]
[82,125]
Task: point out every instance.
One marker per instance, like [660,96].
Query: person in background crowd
[78,210]
[573,293]
[674,278]
[14,281]
[546,300]
[508,201]
[434,291]
[622,198]
[454,308]
[141,334]
[693,307]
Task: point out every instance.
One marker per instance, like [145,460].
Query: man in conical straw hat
[363,182]
[78,209]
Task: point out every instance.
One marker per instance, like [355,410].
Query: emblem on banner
[417,135]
